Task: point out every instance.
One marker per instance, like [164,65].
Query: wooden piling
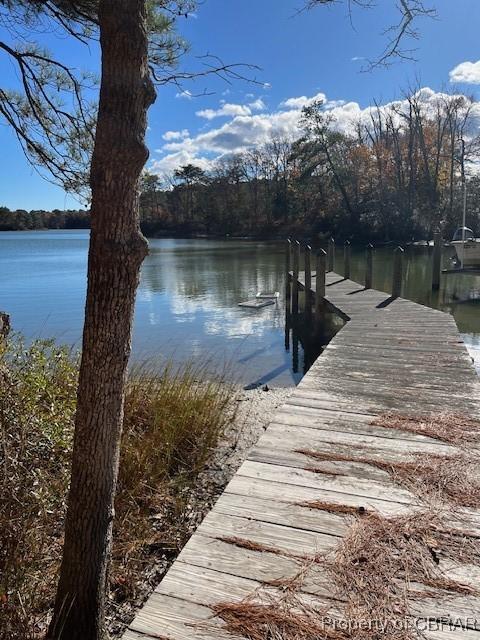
[397,272]
[347,250]
[437,260]
[320,268]
[296,264]
[288,266]
[369,266]
[331,254]
[308,283]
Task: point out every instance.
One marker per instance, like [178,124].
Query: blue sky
[300,54]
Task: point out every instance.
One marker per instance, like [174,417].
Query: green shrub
[172,425]
[37,404]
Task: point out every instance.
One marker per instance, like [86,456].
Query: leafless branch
[410,12]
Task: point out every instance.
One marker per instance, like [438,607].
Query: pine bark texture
[117,249]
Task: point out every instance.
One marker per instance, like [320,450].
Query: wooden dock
[391,355]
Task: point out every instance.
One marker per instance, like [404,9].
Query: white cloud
[245,129]
[466,72]
[176,135]
[227,109]
[187,95]
[302,101]
[257,105]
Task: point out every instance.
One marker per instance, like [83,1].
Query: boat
[467,248]
[263,295]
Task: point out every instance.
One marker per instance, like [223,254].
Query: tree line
[398,174]
[22,220]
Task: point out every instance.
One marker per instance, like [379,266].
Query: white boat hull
[468,252]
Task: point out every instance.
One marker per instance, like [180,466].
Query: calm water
[187,301]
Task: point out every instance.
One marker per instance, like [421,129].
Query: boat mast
[464,218]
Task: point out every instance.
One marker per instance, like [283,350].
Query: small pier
[391,356]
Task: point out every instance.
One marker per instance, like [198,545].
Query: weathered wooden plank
[284,513]
[340,484]
[301,494]
[228,565]
[168,618]
[404,357]
[294,437]
[287,539]
[345,422]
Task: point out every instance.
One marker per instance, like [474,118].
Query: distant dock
[392,355]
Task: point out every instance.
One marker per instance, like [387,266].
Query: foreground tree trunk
[117,249]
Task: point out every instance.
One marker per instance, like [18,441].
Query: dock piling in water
[347,250]
[288,260]
[296,266]
[437,260]
[320,267]
[308,283]
[331,254]
[397,272]
[369,266]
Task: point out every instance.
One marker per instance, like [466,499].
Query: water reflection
[191,290]
[187,305]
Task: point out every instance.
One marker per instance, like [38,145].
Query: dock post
[321,264]
[331,254]
[347,250]
[288,286]
[397,272]
[308,283]
[296,264]
[369,267]
[437,260]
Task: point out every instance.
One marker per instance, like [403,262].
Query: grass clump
[172,426]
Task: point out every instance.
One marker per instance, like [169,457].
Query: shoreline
[251,414]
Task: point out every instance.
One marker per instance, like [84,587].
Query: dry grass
[172,425]
[447,427]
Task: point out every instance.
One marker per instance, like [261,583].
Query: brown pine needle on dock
[447,427]
[454,479]
[376,573]
[251,545]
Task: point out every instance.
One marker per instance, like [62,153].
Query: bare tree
[404,31]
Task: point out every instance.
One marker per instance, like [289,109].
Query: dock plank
[391,355]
